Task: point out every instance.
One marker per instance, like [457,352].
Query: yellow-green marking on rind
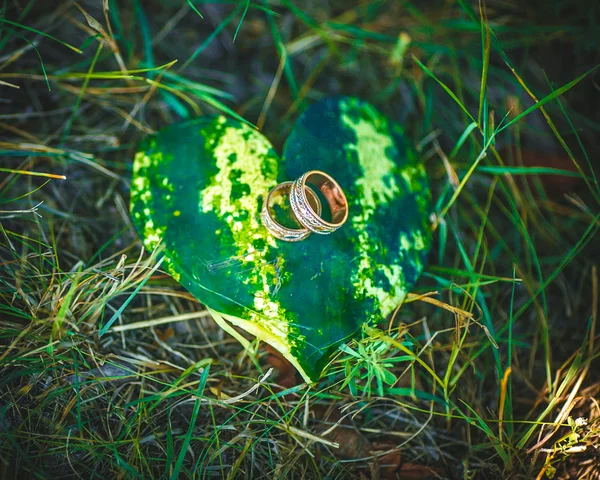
[376,187]
[141,191]
[246,162]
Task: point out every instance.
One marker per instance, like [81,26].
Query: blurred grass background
[490,370]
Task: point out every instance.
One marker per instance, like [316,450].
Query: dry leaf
[352,443]
[389,463]
[165,334]
[412,471]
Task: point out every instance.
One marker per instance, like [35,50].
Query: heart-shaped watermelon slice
[198,188]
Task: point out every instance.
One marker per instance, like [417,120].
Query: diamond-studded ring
[333,193]
[277,229]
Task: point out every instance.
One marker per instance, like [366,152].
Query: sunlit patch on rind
[377,184]
[376,187]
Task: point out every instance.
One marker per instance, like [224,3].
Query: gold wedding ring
[277,229]
[333,193]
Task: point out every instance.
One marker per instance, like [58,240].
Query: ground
[489,369]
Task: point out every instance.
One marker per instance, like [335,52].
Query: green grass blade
[572,372]
[64,310]
[29,29]
[510,170]
[287,68]
[482,114]
[188,437]
[445,87]
[80,96]
[37,52]
[548,98]
[193,7]
[129,299]
[468,130]
[494,440]
[237,30]
[211,37]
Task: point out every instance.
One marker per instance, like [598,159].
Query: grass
[109,369]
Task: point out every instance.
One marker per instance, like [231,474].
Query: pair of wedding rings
[306,207]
